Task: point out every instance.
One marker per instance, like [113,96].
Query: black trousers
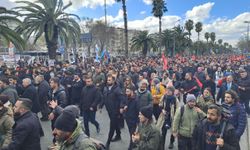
[44,108]
[184,143]
[114,126]
[131,129]
[89,116]
[245,102]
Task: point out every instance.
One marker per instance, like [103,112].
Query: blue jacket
[223,89]
[238,118]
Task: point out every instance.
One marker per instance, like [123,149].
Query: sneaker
[171,146]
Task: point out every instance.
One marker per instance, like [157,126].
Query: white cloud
[200,13]
[230,30]
[111,19]
[143,12]
[148,2]
[76,4]
[151,23]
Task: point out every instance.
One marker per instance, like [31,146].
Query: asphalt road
[103,119]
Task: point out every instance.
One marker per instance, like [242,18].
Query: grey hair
[28,80]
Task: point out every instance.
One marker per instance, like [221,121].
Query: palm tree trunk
[51,43]
[160,32]
[198,36]
[125,26]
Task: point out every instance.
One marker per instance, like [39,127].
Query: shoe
[44,119]
[171,146]
[107,145]
[117,138]
[98,129]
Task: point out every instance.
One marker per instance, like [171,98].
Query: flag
[97,53]
[165,62]
[198,82]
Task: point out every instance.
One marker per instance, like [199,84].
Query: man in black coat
[113,101]
[207,134]
[26,130]
[31,93]
[244,89]
[90,98]
[43,89]
[76,89]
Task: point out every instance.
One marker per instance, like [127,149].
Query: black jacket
[31,93]
[244,82]
[90,97]
[60,96]
[43,89]
[113,99]
[76,89]
[191,87]
[26,133]
[132,112]
[199,137]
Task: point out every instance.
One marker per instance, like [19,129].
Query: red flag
[198,82]
[165,62]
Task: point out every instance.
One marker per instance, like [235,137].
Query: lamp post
[105,11]
[248,22]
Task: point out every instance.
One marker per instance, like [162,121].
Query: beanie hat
[66,121]
[74,109]
[147,111]
[190,97]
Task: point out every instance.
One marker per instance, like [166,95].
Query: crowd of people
[203,100]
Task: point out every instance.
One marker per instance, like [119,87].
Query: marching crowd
[202,101]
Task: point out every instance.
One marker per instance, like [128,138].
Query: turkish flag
[165,62]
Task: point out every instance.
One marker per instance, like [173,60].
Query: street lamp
[248,22]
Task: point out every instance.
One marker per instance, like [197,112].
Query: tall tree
[158,10]
[212,37]
[143,41]
[207,36]
[181,39]
[220,41]
[189,26]
[198,29]
[48,18]
[7,31]
[125,24]
[167,39]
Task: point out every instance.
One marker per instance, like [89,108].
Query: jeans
[89,116]
[184,143]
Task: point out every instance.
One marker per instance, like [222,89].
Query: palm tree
[189,25]
[144,41]
[48,17]
[159,8]
[181,39]
[207,36]
[125,24]
[167,38]
[7,33]
[212,37]
[198,29]
[220,41]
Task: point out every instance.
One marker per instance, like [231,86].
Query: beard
[17,115]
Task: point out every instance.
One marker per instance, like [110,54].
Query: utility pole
[105,11]
[248,22]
